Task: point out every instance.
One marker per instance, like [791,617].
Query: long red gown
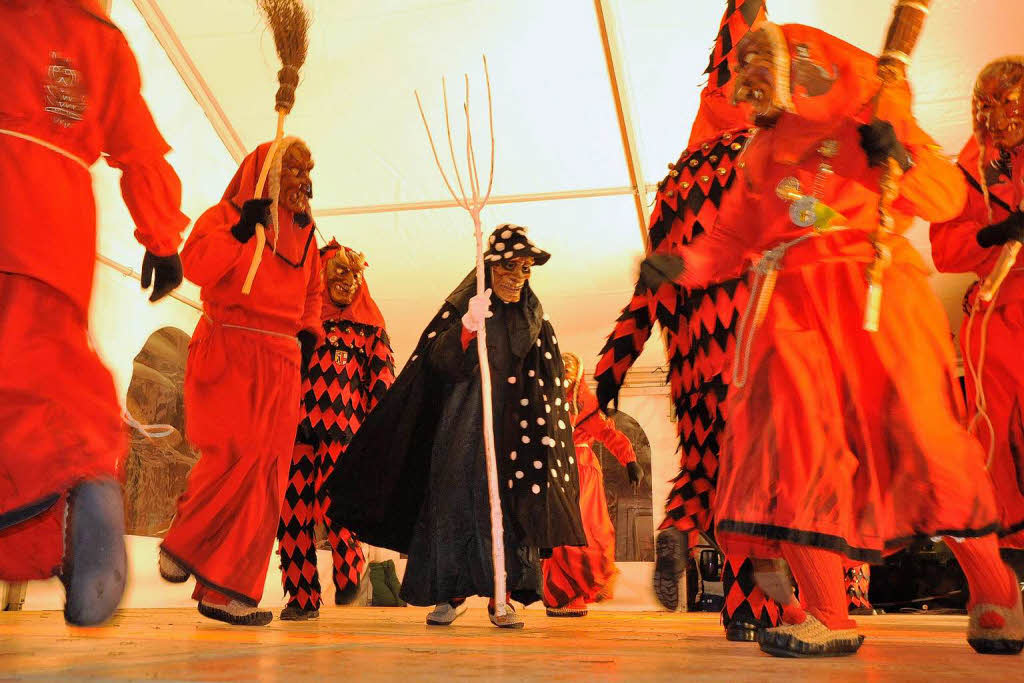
[840,438]
[587,573]
[71,82]
[991,340]
[242,392]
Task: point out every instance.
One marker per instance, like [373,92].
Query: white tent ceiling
[209,75]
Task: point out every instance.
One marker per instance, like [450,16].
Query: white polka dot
[507,254]
[413,358]
[511,380]
[491,239]
[561,424]
[547,354]
[572,460]
[545,397]
[554,341]
[510,483]
[446,315]
[541,420]
[540,381]
[558,462]
[537,464]
[563,443]
[547,408]
[523,424]
[535,250]
[526,439]
[518,246]
[535,488]
[558,381]
[538,343]
[567,477]
[506,234]
[553,473]
[519,474]
[500,246]
[545,317]
[558,401]
[513,455]
[532,373]
[431,335]
[524,402]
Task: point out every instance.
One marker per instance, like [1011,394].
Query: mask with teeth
[999,104]
[296,184]
[509,277]
[343,275]
[755,78]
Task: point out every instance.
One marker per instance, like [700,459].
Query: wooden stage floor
[394,644]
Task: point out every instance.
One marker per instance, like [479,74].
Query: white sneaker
[444,614]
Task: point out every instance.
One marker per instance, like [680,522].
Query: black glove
[253,211]
[607,392]
[657,269]
[163,272]
[307,341]
[635,473]
[879,141]
[998,234]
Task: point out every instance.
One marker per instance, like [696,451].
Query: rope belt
[48,145]
[766,272]
[252,329]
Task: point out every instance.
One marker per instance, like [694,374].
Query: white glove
[479,311]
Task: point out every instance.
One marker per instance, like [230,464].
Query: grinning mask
[296,185]
[343,276]
[998,106]
[510,276]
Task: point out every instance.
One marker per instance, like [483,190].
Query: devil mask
[343,275]
[296,184]
[998,106]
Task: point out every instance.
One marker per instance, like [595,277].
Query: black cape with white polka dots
[379,487]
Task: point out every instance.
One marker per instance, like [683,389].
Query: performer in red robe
[71,93]
[346,377]
[242,382]
[841,444]
[992,335]
[575,576]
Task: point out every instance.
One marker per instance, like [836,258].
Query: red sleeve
[718,255]
[602,429]
[467,336]
[955,247]
[211,251]
[150,187]
[382,368]
[934,188]
[314,293]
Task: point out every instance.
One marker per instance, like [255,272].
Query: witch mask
[510,276]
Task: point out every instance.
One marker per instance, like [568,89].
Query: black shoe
[95,561]
[347,595]
[741,632]
[236,614]
[296,613]
[668,568]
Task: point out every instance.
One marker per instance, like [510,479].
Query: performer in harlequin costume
[841,444]
[71,93]
[991,339]
[242,382]
[414,480]
[699,328]
[574,577]
[347,375]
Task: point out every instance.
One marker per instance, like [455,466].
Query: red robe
[241,392]
[841,439]
[587,573]
[70,81]
[998,326]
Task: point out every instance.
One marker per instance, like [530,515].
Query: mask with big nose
[998,105]
[343,274]
[509,277]
[296,183]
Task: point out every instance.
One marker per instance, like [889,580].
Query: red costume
[346,378]
[840,443]
[242,389]
[575,576]
[992,335]
[71,93]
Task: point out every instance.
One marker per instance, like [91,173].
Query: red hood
[363,310]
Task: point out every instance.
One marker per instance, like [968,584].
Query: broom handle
[261,233]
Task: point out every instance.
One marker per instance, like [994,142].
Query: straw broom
[289,22]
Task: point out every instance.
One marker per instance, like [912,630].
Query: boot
[668,567]
[95,561]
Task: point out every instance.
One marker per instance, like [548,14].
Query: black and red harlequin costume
[345,379]
[700,329]
[71,95]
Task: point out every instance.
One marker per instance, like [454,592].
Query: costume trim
[27,512]
[973,182]
[48,145]
[244,599]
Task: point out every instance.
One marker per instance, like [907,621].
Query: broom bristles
[289,22]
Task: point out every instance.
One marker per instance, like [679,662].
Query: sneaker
[296,613]
[170,570]
[445,613]
[236,613]
[95,560]
[508,620]
[810,638]
[668,568]
[995,630]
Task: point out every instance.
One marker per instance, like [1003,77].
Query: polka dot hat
[509,241]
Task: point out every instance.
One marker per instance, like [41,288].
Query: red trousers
[59,422]
[241,408]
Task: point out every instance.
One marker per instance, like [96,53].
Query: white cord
[980,402]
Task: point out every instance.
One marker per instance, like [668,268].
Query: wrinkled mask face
[509,277]
[296,184]
[572,367]
[998,106]
[755,77]
[341,279]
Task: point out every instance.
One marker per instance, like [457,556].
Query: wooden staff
[474,202]
[289,22]
[907,22]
